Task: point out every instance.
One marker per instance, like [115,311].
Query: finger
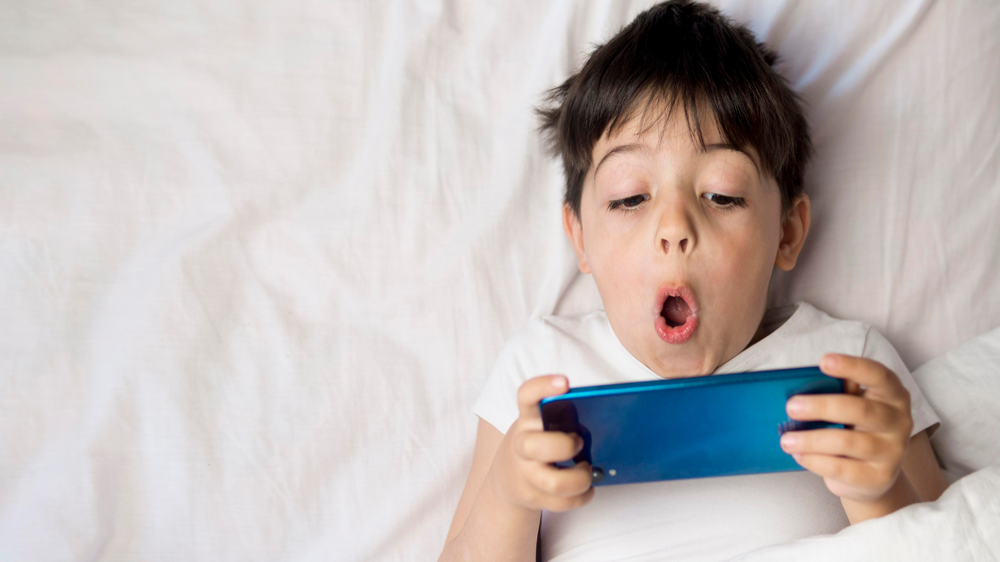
[548,446]
[556,503]
[851,387]
[848,471]
[879,382]
[532,392]
[842,442]
[560,482]
[861,412]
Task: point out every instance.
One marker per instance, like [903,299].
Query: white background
[257,258]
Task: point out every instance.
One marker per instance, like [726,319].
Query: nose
[676,231]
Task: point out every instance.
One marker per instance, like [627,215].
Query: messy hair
[680,55]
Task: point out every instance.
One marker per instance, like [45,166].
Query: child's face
[661,218]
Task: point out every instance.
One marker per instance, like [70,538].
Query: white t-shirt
[700,519]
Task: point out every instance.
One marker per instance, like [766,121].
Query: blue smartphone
[719,425]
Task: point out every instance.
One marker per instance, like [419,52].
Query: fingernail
[789,440]
[579,444]
[830,361]
[559,382]
[795,406]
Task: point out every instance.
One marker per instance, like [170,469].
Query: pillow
[963,387]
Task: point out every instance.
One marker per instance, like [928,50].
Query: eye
[628,203]
[725,201]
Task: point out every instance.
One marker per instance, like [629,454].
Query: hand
[521,470]
[862,462]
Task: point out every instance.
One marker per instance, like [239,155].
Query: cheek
[749,260]
[617,264]
[604,255]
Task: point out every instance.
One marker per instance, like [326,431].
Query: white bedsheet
[962,525]
[256,258]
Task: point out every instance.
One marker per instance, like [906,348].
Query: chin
[674,365]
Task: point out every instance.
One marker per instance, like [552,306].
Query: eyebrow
[623,149]
[734,148]
[634,147]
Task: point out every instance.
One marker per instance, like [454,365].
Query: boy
[684,154]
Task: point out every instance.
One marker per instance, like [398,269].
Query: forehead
[656,129]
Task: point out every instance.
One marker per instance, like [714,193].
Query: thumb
[532,392]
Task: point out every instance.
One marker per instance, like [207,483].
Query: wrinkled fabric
[258,258]
[961,525]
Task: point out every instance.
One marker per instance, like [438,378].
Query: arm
[922,470]
[512,480]
[496,528]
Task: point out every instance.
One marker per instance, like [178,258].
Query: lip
[684,332]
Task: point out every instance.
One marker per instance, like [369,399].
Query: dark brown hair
[680,54]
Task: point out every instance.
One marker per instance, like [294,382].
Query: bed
[257,258]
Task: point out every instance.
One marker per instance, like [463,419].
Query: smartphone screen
[717,425]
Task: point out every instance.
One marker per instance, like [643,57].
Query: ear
[794,230]
[574,231]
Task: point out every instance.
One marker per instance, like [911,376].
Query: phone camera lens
[597,475]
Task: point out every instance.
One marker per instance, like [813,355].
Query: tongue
[676,311]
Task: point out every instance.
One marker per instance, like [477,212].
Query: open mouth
[678,317]
[675,311]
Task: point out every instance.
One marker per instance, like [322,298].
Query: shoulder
[803,334]
[545,345]
[855,337]
[877,347]
[543,336]
[809,321]
[552,344]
